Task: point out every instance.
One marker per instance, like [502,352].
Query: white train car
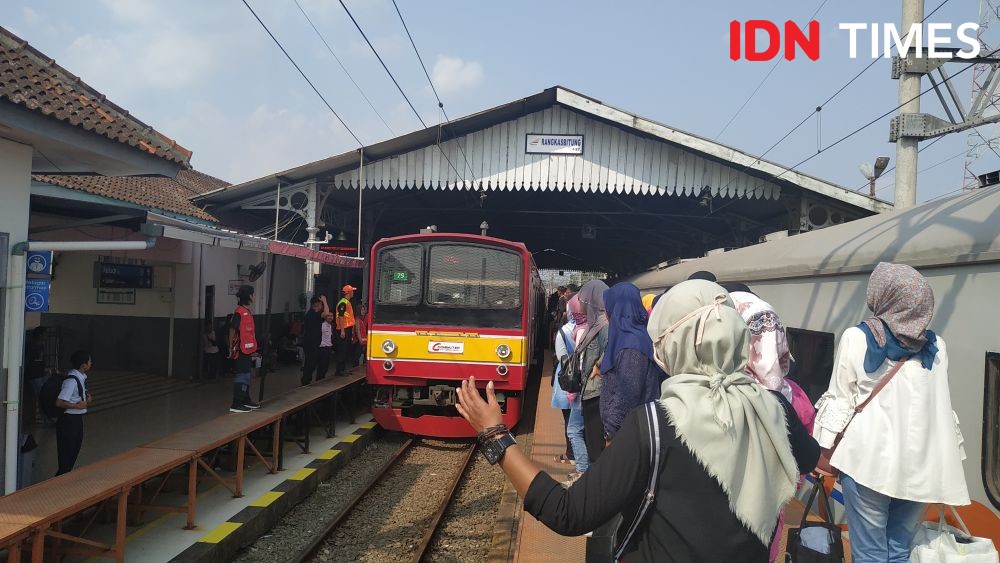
[817,282]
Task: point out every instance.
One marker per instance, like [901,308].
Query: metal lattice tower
[985,137]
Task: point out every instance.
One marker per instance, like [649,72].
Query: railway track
[416,462]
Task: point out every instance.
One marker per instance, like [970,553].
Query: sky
[206,74]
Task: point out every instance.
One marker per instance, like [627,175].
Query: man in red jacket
[242,348]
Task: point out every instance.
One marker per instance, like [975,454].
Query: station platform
[207,479]
[148,416]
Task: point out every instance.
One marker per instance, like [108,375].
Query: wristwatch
[494,448]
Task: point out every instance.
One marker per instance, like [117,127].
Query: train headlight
[387,365]
[388,346]
[503,351]
[502,370]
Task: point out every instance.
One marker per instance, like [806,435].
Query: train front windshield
[448,284]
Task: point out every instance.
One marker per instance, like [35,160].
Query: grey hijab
[591,296]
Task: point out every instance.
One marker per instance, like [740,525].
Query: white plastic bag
[937,542]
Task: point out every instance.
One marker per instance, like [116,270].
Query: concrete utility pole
[909,99]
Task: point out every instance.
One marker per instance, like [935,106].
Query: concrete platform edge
[223,543]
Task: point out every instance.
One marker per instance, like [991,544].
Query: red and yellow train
[444,307]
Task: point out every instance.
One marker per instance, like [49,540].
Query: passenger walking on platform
[593,342]
[243,347]
[905,449]
[570,334]
[344,345]
[770,360]
[312,335]
[629,376]
[728,460]
[75,399]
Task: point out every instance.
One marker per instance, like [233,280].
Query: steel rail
[309,551]
[425,543]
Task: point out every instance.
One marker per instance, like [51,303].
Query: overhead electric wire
[344,68]
[761,83]
[855,131]
[296,65]
[379,57]
[885,173]
[841,89]
[398,87]
[431,82]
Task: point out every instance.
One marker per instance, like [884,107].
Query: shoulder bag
[653,433]
[823,465]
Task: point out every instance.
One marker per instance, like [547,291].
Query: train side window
[813,352]
[991,429]
[400,277]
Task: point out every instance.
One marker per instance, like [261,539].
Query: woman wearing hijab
[728,460]
[593,343]
[770,360]
[905,448]
[566,340]
[630,377]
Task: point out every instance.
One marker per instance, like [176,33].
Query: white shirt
[906,444]
[71,393]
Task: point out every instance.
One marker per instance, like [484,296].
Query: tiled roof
[198,182]
[156,192]
[30,79]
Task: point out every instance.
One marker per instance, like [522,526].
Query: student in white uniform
[905,448]
[75,398]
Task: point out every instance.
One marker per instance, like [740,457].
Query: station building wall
[136,337]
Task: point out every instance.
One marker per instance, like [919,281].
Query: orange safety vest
[347,320]
[246,339]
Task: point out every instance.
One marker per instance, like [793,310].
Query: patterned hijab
[902,299]
[770,358]
[734,428]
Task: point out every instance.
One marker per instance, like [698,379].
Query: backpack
[49,394]
[570,373]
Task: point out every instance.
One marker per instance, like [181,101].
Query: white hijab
[734,427]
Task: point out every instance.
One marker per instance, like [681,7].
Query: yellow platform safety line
[267,499]
[328,454]
[302,474]
[368,425]
[220,532]
[351,438]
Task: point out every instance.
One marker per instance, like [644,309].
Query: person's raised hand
[480,414]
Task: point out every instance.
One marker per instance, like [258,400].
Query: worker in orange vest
[345,328]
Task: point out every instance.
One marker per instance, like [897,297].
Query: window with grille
[991,429]
[813,352]
[473,277]
[400,275]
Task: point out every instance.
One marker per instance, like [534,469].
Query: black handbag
[570,376]
[826,534]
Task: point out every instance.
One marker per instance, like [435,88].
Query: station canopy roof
[584,185]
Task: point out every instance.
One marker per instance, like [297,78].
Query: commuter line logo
[763,40]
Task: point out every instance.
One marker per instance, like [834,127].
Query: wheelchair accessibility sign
[36,295]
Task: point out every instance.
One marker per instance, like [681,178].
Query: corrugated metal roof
[959,230]
[724,160]
[613,161]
